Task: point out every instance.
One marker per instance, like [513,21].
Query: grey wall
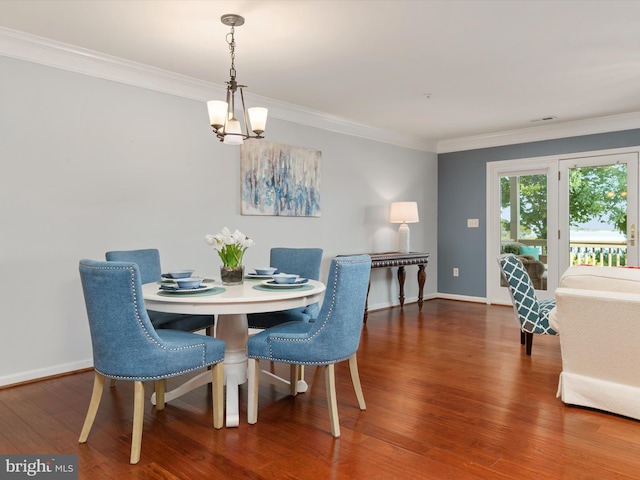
[462,195]
[90,165]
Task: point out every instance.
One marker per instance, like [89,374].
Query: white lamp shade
[404,212]
[258,118]
[217,112]
[233,127]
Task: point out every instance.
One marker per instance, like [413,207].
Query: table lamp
[403,213]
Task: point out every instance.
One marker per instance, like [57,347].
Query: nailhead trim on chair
[300,340]
[144,379]
[146,332]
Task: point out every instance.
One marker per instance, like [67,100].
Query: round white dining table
[230,305]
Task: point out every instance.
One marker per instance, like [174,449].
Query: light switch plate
[473,223]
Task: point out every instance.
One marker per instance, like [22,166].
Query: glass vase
[232,275]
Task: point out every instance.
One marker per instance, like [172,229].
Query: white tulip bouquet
[230,246]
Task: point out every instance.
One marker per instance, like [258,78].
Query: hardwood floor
[450,394]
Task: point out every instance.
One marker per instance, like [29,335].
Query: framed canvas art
[280,180]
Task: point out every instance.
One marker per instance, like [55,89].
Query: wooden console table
[400,260]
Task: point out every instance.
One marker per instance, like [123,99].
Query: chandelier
[222,116]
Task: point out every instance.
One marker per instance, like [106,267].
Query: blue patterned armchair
[532,314]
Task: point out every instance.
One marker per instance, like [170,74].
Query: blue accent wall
[462,194]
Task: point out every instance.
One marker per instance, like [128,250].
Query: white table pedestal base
[234,331]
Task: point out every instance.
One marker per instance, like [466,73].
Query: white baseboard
[431,296]
[44,372]
[462,298]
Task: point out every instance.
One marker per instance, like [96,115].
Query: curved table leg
[401,277]
[197,381]
[273,379]
[422,277]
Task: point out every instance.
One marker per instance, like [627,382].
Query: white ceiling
[436,70]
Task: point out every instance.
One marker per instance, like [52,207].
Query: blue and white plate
[176,289]
[272,283]
[258,277]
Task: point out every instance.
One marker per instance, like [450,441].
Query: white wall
[90,165]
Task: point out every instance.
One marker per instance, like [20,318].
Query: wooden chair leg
[355,379]
[138,420]
[161,388]
[294,375]
[332,401]
[529,342]
[217,394]
[96,395]
[522,337]
[253,377]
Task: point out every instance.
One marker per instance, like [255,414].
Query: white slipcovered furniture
[597,315]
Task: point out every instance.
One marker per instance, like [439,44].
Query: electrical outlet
[456,272]
[473,223]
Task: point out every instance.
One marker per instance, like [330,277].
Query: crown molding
[577,128]
[31,48]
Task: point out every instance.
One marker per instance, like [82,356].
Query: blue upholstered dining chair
[333,337]
[304,262]
[148,261]
[532,314]
[126,346]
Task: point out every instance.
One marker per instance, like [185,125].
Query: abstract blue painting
[279,180]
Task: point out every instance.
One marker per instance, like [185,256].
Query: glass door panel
[519,219]
[523,223]
[599,210]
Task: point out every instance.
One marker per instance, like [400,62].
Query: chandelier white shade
[222,115]
[404,213]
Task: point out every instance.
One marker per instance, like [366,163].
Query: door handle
[632,240]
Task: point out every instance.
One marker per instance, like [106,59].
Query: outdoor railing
[597,253]
[609,254]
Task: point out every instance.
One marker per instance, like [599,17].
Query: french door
[598,210]
[521,214]
[561,211]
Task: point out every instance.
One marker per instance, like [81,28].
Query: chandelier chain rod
[232,50]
